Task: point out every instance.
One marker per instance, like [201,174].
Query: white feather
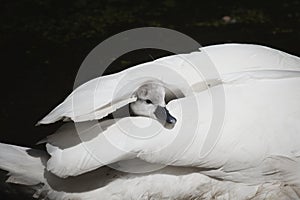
[256,155]
[106,183]
[254,129]
[88,101]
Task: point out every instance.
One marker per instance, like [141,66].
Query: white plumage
[257,154]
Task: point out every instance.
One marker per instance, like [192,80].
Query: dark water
[43,42]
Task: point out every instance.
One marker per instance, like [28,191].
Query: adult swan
[256,154]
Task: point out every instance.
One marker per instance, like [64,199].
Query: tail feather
[24,166]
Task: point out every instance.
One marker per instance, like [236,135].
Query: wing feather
[101,96]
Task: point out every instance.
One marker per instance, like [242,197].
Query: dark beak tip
[171,120]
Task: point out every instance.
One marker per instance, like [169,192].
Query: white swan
[256,156]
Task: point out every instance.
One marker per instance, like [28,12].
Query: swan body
[255,156]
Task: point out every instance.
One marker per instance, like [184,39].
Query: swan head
[151,103]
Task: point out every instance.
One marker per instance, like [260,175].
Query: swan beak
[163,114]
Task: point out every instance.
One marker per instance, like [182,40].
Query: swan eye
[148,101]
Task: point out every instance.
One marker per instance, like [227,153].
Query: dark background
[43,42]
